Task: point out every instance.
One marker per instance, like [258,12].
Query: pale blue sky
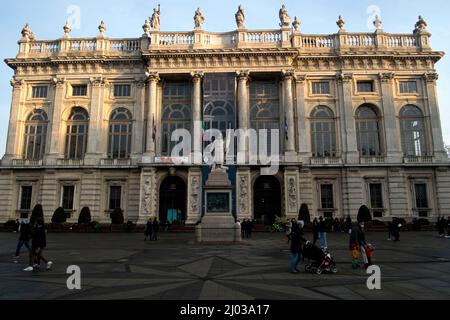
[125,19]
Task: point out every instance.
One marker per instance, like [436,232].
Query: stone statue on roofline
[421,25]
[240,18]
[155,20]
[285,19]
[199,19]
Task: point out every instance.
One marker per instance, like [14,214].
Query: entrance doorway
[172,200]
[267,199]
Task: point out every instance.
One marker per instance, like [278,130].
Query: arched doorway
[172,200]
[267,199]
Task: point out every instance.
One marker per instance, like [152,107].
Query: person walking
[24,238]
[155,230]
[396,225]
[148,230]
[358,245]
[249,228]
[38,244]
[297,241]
[348,224]
[289,230]
[315,229]
[323,234]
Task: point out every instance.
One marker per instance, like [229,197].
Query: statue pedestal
[218,229]
[218,225]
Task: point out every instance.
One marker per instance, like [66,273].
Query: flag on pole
[286,127]
[154,129]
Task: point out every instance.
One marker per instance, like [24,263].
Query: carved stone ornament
[195,194]
[197,75]
[102,27]
[16,83]
[67,29]
[26,31]
[386,76]
[155,20]
[377,22]
[296,25]
[146,27]
[421,25]
[341,23]
[288,74]
[243,194]
[152,76]
[97,82]
[58,82]
[431,76]
[147,196]
[292,195]
[344,77]
[243,74]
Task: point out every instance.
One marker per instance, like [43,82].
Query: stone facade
[124,162]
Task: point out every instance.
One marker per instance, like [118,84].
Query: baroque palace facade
[91,121]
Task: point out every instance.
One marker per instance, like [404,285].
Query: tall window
[176,113]
[68,195]
[39,92]
[35,135]
[421,199]
[120,131]
[376,199]
[265,108]
[26,194]
[115,197]
[368,131]
[413,131]
[77,133]
[327,199]
[323,132]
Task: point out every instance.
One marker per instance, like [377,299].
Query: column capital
[16,83]
[242,75]
[97,82]
[152,76]
[386,76]
[288,74]
[140,83]
[431,76]
[58,82]
[344,77]
[197,75]
[300,78]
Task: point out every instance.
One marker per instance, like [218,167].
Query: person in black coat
[315,230]
[297,241]
[38,244]
[148,230]
[24,238]
[358,240]
[155,230]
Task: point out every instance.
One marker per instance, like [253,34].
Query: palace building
[357,114]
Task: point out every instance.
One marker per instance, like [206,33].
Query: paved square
[123,266]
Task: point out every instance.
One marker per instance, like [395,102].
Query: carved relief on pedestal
[147,205]
[148,195]
[243,195]
[292,195]
[195,195]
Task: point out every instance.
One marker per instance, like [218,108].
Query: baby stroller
[320,261]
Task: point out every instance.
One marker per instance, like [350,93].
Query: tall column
[197,117]
[304,146]
[138,144]
[435,118]
[348,130]
[15,123]
[150,148]
[243,117]
[290,155]
[56,137]
[96,142]
[393,150]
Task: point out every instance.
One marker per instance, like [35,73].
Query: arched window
[413,131]
[176,113]
[264,108]
[120,131]
[323,132]
[35,135]
[77,133]
[368,131]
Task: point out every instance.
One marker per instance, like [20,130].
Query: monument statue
[285,19]
[240,18]
[199,19]
[155,20]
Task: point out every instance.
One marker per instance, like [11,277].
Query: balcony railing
[115,162]
[418,159]
[26,163]
[373,160]
[326,161]
[70,162]
[247,38]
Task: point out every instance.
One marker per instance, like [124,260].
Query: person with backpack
[24,238]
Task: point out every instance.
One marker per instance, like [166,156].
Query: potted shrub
[84,220]
[38,212]
[58,219]
[304,214]
[364,214]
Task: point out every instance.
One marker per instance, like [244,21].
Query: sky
[125,19]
